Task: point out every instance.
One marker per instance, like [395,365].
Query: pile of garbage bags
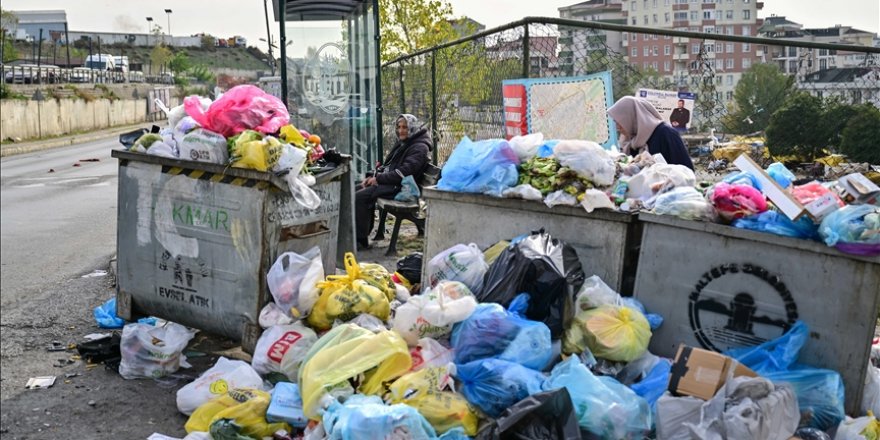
[244,128]
[843,213]
[509,343]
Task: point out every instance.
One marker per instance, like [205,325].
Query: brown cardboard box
[701,373]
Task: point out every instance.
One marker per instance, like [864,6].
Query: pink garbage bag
[241,108]
[737,201]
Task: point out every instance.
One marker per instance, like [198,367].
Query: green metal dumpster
[719,287]
[606,241]
[195,240]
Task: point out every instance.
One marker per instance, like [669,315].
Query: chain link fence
[456,88]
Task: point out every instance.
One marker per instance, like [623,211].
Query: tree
[797,129]
[208,41]
[836,115]
[179,63]
[8,22]
[160,55]
[409,25]
[758,94]
[859,139]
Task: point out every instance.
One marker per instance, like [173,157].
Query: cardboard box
[701,373]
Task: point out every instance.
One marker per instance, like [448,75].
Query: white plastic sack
[560,198]
[432,314]
[162,149]
[191,436]
[272,315]
[588,159]
[594,293]
[524,191]
[526,147]
[367,321]
[595,199]
[152,352]
[430,353]
[659,178]
[871,396]
[293,279]
[204,146]
[673,413]
[302,194]
[223,376]
[280,343]
[291,158]
[851,429]
[463,263]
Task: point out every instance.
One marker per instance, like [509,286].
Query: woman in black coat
[409,157]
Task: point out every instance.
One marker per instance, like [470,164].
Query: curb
[31,147]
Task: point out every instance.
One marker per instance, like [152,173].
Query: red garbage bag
[241,108]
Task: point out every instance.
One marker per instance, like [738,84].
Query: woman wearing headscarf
[642,127]
[408,157]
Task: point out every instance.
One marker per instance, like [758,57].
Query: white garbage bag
[153,352]
[283,342]
[272,315]
[203,146]
[659,178]
[526,147]
[588,159]
[432,314]
[293,279]
[463,263]
[223,376]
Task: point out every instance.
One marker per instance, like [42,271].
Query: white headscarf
[639,118]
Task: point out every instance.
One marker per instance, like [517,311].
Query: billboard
[560,108]
[676,108]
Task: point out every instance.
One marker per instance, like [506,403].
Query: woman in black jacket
[409,157]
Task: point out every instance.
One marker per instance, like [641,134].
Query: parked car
[80,75]
[23,74]
[136,76]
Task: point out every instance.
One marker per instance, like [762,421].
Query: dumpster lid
[272,178]
[744,234]
[526,205]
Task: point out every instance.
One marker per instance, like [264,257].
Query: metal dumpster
[606,241]
[195,240]
[719,287]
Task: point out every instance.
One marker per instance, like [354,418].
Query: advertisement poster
[560,108]
[676,108]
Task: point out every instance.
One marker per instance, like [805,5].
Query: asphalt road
[58,223]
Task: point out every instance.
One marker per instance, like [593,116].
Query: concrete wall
[37,119]
[244,73]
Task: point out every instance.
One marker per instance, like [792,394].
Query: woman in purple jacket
[408,157]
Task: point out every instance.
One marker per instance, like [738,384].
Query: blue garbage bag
[546,150]
[780,174]
[605,407]
[105,315]
[773,222]
[654,384]
[820,394]
[368,418]
[776,354]
[493,385]
[852,224]
[486,167]
[742,178]
[493,332]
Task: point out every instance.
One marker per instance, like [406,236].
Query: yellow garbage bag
[444,410]
[291,135]
[832,160]
[343,297]
[615,333]
[260,155]
[872,431]
[730,153]
[245,406]
[348,354]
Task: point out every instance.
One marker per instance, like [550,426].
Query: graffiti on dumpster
[184,275]
[283,209]
[194,215]
[736,305]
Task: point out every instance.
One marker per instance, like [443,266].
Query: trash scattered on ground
[95,274]
[39,382]
[57,346]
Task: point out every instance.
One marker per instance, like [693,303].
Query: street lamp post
[168,13]
[149,28]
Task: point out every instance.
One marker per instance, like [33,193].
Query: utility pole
[40,50]
[168,13]
[269,35]
[67,43]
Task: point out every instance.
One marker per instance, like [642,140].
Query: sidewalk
[11,149]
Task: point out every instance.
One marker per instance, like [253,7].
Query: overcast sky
[246,18]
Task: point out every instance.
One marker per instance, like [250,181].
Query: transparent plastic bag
[659,178]
[595,199]
[856,429]
[292,158]
[464,263]
[588,159]
[433,313]
[493,385]
[430,353]
[202,145]
[486,167]
[526,147]
[685,202]
[223,376]
[524,191]
[871,395]
[409,190]
[604,406]
[780,174]
[279,342]
[243,107]
[737,201]
[595,293]
[368,418]
[293,280]
[560,198]
[614,333]
[152,352]
[493,332]
[272,315]
[852,224]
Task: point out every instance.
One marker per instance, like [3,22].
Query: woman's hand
[369,181]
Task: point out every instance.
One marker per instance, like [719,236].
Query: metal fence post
[526,63]
[434,132]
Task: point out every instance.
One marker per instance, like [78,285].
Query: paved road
[55,227]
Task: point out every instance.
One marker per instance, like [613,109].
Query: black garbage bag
[128,139]
[532,266]
[549,416]
[811,434]
[410,267]
[104,350]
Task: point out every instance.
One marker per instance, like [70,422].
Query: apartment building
[677,58]
[578,44]
[803,61]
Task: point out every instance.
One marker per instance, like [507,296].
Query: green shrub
[860,140]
